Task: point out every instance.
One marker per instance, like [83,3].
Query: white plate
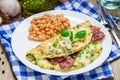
[21,44]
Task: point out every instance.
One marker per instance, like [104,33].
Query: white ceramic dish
[21,44]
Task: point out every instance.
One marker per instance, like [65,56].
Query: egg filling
[70,50]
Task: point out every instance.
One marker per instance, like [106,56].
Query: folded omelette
[67,52]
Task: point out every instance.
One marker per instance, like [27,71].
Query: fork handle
[112,31]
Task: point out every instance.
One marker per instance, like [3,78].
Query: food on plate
[61,46]
[47,26]
[71,49]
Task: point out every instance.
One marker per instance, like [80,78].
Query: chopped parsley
[78,26]
[55,42]
[71,36]
[49,47]
[94,43]
[92,54]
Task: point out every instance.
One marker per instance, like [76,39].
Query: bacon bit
[55,60]
[53,63]
[59,59]
[62,61]
[95,29]
[67,63]
[97,36]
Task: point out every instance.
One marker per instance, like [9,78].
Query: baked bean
[47,29]
[30,37]
[36,38]
[30,29]
[43,31]
[42,38]
[38,32]
[33,32]
[47,26]
[47,37]
[48,33]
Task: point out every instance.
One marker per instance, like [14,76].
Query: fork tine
[99,15]
[113,22]
[104,22]
[102,11]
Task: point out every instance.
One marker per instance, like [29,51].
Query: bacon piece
[59,59]
[95,29]
[62,61]
[55,60]
[53,63]
[67,63]
[97,36]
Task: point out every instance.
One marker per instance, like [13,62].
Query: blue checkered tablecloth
[24,73]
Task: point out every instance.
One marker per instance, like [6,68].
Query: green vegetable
[55,42]
[49,47]
[63,42]
[78,26]
[82,64]
[80,34]
[71,36]
[92,54]
[56,50]
[64,33]
[94,43]
[30,57]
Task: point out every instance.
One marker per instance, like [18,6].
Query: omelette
[72,49]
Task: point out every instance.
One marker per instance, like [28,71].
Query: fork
[111,29]
[117,28]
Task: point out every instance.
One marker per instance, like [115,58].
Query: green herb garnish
[56,50]
[82,65]
[49,47]
[78,26]
[71,36]
[55,42]
[94,43]
[101,48]
[92,54]
[63,42]
[30,57]
[64,33]
[80,34]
